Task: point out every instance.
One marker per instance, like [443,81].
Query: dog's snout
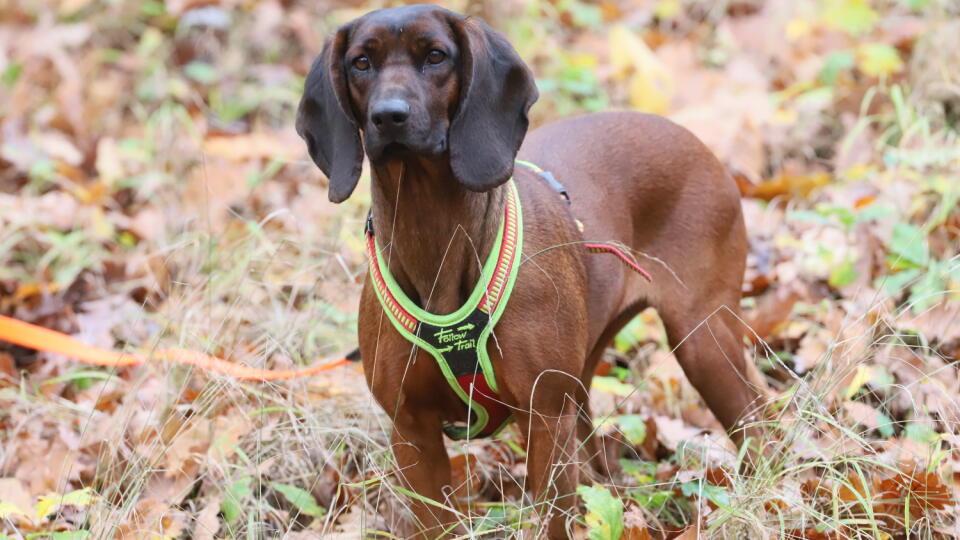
[390,114]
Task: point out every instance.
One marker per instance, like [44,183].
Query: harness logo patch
[456,338]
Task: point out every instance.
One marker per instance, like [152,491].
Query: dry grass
[192,218]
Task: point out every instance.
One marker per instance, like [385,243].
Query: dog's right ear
[325,120]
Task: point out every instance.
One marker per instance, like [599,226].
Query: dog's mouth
[395,149]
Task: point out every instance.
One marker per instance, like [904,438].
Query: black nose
[390,114]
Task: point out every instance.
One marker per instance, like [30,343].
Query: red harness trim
[505,259]
[403,316]
[609,248]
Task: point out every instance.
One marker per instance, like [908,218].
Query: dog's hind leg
[707,339]
[599,451]
[602,451]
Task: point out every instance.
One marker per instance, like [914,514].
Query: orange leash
[43,339]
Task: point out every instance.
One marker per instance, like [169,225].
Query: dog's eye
[361,63]
[435,56]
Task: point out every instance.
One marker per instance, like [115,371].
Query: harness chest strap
[458,341]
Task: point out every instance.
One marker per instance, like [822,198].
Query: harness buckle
[557,186]
[368,228]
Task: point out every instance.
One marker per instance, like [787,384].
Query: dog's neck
[435,234]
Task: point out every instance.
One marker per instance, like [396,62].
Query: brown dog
[441,102]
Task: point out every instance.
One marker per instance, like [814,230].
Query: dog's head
[416,81]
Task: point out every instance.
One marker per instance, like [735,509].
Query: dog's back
[629,174]
[650,184]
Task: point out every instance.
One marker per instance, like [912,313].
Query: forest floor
[154,194]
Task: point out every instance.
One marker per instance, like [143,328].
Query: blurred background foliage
[153,192]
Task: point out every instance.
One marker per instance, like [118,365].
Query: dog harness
[458,341]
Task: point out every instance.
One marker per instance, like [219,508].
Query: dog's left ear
[325,120]
[496,91]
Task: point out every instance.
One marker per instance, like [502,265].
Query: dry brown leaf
[863,414]
[924,490]
[690,533]
[717,476]
[206,524]
[813,347]
[672,431]
[635,525]
[46,465]
[279,145]
[8,368]
[772,311]
[854,491]
[939,324]
[465,479]
[14,492]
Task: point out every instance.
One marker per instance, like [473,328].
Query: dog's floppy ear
[496,91]
[325,120]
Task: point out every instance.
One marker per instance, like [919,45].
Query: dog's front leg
[424,468]
[552,468]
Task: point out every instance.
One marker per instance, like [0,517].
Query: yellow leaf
[9,509]
[878,59]
[798,28]
[26,290]
[109,161]
[650,83]
[785,117]
[667,9]
[860,378]
[47,503]
[851,16]
[858,171]
[621,43]
[583,61]
[102,228]
[647,94]
[613,386]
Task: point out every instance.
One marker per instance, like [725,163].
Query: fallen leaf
[206,524]
[635,525]
[672,431]
[863,414]
[259,145]
[8,368]
[690,533]
[878,60]
[786,184]
[46,504]
[466,479]
[604,515]
[650,86]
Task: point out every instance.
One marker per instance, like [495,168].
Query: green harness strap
[458,341]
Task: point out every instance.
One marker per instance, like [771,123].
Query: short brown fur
[636,179]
